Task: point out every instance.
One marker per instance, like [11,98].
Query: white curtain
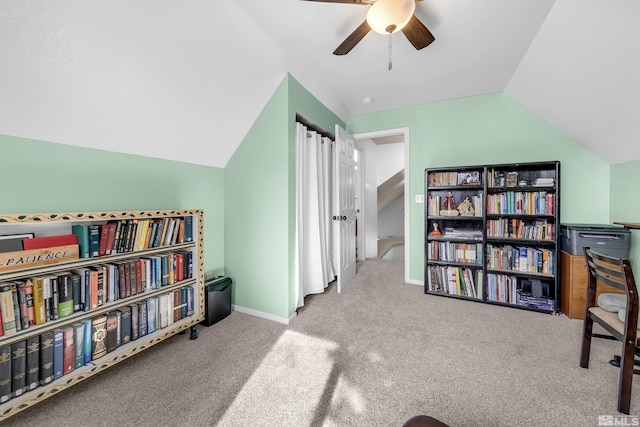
[314,267]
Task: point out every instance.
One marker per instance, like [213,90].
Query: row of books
[502,288]
[521,203]
[510,289]
[40,299]
[129,235]
[470,253]
[455,281]
[521,229]
[453,178]
[522,259]
[40,359]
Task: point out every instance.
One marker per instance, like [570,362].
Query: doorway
[367,192]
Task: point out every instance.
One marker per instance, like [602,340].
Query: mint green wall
[40,177]
[256,212]
[625,203]
[260,202]
[490,129]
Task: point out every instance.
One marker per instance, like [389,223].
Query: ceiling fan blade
[353,39]
[417,33]
[364,2]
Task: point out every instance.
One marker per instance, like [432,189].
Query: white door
[344,209]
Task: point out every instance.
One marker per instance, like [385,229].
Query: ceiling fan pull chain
[390,64]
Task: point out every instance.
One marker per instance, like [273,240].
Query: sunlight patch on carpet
[294,376]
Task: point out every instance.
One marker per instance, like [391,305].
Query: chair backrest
[615,272]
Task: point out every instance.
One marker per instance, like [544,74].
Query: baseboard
[416,282]
[264,315]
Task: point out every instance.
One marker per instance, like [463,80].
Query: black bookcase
[499,244]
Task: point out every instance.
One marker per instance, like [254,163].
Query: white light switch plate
[419,198]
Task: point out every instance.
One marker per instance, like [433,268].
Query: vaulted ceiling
[185,80]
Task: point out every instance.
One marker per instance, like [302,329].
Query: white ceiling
[185,80]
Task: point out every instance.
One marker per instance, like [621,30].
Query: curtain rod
[312,126]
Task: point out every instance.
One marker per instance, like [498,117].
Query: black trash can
[217,299]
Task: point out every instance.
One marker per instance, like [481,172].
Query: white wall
[370,205]
[391,220]
[389,160]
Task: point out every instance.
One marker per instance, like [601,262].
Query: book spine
[58,353]
[16,306]
[76,292]
[190,301]
[28,289]
[152,311]
[99,337]
[65,296]
[125,325]
[135,322]
[177,297]
[86,290]
[68,350]
[122,291]
[142,319]
[111,235]
[94,241]
[33,362]
[112,330]
[46,357]
[82,232]
[55,315]
[104,237]
[18,368]
[118,328]
[183,302]
[93,289]
[188,229]
[5,373]
[88,328]
[8,313]
[116,238]
[79,344]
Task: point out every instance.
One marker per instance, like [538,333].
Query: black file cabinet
[217,299]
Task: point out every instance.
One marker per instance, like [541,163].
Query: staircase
[389,191]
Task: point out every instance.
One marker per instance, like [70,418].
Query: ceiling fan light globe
[390,16]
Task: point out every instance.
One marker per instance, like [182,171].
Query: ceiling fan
[386,17]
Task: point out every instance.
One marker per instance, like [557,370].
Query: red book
[140,270]
[122,290]
[49,241]
[111,234]
[180,266]
[68,351]
[177,301]
[93,290]
[104,236]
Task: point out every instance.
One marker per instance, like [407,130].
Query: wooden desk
[630,225]
[573,285]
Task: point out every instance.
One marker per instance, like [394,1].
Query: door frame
[407,177]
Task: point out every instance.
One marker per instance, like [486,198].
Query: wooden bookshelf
[502,247]
[157,288]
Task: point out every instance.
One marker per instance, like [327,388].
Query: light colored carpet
[375,355]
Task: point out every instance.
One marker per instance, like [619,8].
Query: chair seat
[612,320]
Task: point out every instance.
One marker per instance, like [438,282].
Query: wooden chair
[615,272]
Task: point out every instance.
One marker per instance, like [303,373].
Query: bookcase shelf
[513,221]
[183,294]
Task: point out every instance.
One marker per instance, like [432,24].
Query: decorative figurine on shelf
[466,208]
[436,231]
[449,206]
